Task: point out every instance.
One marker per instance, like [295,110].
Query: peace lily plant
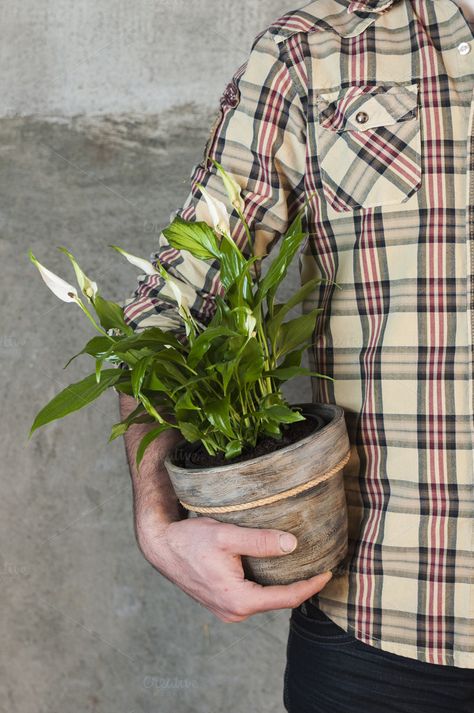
[218,383]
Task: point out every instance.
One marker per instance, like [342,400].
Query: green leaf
[293,358]
[124,387]
[301,294]
[168,370]
[226,359]
[138,415]
[131,357]
[194,236]
[271,400]
[118,429]
[283,414]
[151,408]
[279,267]
[217,411]
[186,410]
[206,378]
[295,332]
[185,402]
[96,347]
[155,383]
[239,316]
[150,337]
[204,341]
[98,367]
[244,285]
[270,428]
[283,374]
[132,349]
[189,431]
[233,265]
[281,310]
[138,375]
[251,362]
[233,448]
[148,439]
[226,369]
[110,315]
[75,397]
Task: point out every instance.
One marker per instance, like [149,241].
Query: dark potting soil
[196,456]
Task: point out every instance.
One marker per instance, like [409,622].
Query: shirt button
[361,117]
[464,48]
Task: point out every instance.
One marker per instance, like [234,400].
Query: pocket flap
[379,105]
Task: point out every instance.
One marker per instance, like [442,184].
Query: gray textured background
[106,107]
[145,56]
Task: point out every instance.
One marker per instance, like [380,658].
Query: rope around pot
[270,498]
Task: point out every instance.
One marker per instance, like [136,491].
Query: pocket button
[362,117]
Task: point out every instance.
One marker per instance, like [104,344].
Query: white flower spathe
[144,265]
[59,287]
[88,287]
[233,190]
[250,324]
[216,215]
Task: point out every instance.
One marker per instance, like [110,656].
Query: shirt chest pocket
[368,141]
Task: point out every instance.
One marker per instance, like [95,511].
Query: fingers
[289,595]
[256,542]
[255,598]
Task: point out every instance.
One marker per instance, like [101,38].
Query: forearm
[153,494]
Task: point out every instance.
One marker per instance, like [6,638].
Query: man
[368,105]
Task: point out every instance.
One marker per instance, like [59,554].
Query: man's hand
[202,557]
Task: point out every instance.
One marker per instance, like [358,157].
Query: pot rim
[338,414]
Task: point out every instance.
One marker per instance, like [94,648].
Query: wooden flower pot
[298,488]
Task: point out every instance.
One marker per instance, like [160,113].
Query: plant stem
[244,409]
[88,314]
[247,232]
[263,341]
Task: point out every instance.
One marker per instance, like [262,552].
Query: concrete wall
[88,626]
[101,56]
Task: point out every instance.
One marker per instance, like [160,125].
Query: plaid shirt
[370,106]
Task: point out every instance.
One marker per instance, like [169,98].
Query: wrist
[151,526]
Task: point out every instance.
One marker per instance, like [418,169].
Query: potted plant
[247,455]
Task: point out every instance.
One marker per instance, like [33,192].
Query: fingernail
[288,542]
[327,576]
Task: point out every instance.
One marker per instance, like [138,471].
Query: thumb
[260,542]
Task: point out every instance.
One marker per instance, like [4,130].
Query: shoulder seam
[291,24]
[287,60]
[283,56]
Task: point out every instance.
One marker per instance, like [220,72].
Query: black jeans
[330,671]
